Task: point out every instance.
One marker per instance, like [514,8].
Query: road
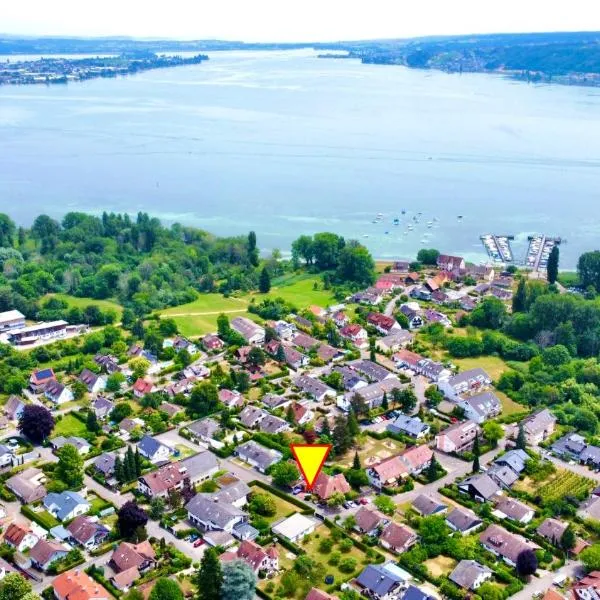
[540,584]
[576,468]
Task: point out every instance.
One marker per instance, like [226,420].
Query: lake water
[285,143]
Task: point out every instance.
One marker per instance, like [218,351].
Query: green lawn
[73,301]
[492,365]
[284,508]
[69,426]
[509,406]
[97,504]
[298,290]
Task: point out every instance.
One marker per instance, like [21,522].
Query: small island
[65,70]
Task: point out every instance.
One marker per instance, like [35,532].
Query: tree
[353,426]
[336,499]
[157,508]
[408,400]
[7,231]
[263,505]
[385,504]
[519,301]
[492,432]
[15,587]
[476,466]
[114,382]
[521,443]
[166,589]
[552,265]
[341,436]
[490,591]
[139,367]
[432,470]
[252,249]
[79,390]
[239,581]
[120,475]
[568,539]
[92,422]
[428,256]
[256,356]
[121,411]
[384,403]
[489,314]
[284,474]
[588,268]
[356,264]
[36,423]
[70,467]
[527,563]
[356,462]
[133,594]
[264,281]
[204,399]
[130,517]
[209,578]
[590,557]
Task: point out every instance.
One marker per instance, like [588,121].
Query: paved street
[539,585]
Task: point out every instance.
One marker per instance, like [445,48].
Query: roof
[65,503]
[24,484]
[246,327]
[150,446]
[503,475]
[484,404]
[377,580]
[143,386]
[415,593]
[538,421]
[326,352]
[209,509]
[45,551]
[468,375]
[129,555]
[368,519]
[417,457]
[11,315]
[515,459]
[463,519]
[76,584]
[15,534]
[425,505]
[398,536]
[13,405]
[125,578]
[88,377]
[169,475]
[406,356]
[264,457]
[305,341]
[233,492]
[105,463]
[206,427]
[317,594]
[312,386]
[370,369]
[327,485]
[398,337]
[552,529]
[77,442]
[83,529]
[483,485]
[512,508]
[294,526]
[273,424]
[466,573]
[102,404]
[251,553]
[390,468]
[411,425]
[40,376]
[457,432]
[508,545]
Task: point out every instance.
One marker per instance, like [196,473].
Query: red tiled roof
[78,585]
[327,485]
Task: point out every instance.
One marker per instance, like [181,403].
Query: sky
[294,20]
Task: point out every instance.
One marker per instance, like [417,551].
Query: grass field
[509,406]
[372,451]
[492,365]
[75,302]
[440,565]
[284,508]
[69,426]
[298,290]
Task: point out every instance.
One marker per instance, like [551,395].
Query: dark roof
[463,519]
[377,580]
[426,505]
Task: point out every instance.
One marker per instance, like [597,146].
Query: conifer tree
[356,462]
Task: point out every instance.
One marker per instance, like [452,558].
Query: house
[427,506]
[109,364]
[458,438]
[505,545]
[417,458]
[317,594]
[395,341]
[142,387]
[404,359]
[328,353]
[256,557]
[184,474]
[212,342]
[379,583]
[327,485]
[126,426]
[439,297]
[401,266]
[295,527]
[272,424]
[93,382]
[155,451]
[249,330]
[515,459]
[171,409]
[285,330]
[251,416]
[39,378]
[76,584]
[371,370]
[372,395]
[45,552]
[195,371]
[183,386]
[124,580]
[356,334]
[538,426]
[13,409]
[410,426]
[415,593]
[87,532]
[467,303]
[258,456]
[590,509]
[102,408]
[388,472]
[384,324]
[126,556]
[302,413]
[552,530]
[28,485]
[397,538]
[234,493]
[570,446]
[504,476]
[294,359]
[11,319]
[509,508]
[105,464]
[371,296]
[57,393]
[412,312]
[340,318]
[369,521]
[433,316]
[205,430]
[471,381]
[449,263]
[66,505]
[385,286]
[420,293]
[180,343]
[209,512]
[231,398]
[480,487]
[469,574]
[20,538]
[586,588]
[6,456]
[315,388]
[273,401]
[480,407]
[463,520]
[304,341]
[6,568]
[82,446]
[351,380]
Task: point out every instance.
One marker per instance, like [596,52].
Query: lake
[285,143]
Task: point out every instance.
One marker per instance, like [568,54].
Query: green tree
[492,432]
[264,281]
[252,249]
[204,400]
[519,300]
[356,264]
[209,578]
[263,504]
[384,403]
[166,589]
[303,248]
[157,508]
[7,231]
[92,422]
[114,382]
[336,499]
[121,411]
[490,591]
[489,314]
[552,265]
[341,436]
[385,504]
[432,470]
[239,581]
[408,400]
[356,462]
[139,367]
[521,443]
[590,557]
[70,467]
[16,587]
[284,474]
[568,539]
[133,594]
[428,256]
[476,466]
[120,474]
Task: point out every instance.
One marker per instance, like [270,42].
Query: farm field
[298,290]
[75,302]
[564,483]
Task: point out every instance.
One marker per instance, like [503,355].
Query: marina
[498,247]
[539,250]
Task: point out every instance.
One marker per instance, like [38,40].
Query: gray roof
[377,580]
[312,386]
[233,492]
[484,485]
[199,464]
[515,459]
[60,441]
[207,427]
[102,405]
[398,337]
[65,503]
[466,376]
[105,463]
[273,424]
[411,425]
[462,519]
[466,573]
[571,445]
[149,445]
[206,508]
[372,370]
[503,475]
[539,421]
[484,404]
[512,508]
[375,391]
[552,529]
[425,505]
[250,415]
[591,454]
[415,593]
[264,457]
[273,401]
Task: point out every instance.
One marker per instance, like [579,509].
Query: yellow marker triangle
[310,459]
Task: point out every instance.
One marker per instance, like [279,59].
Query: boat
[387,232]
[366,235]
[403,211]
[396,221]
[459,217]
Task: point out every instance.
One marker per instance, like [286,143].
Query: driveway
[540,584]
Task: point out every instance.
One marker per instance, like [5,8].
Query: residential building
[514,510]
[259,559]
[205,430]
[28,485]
[39,378]
[212,342]
[285,330]
[66,505]
[251,416]
[258,456]
[102,408]
[127,556]
[371,296]
[480,487]
[272,424]
[515,459]
[457,438]
[13,409]
[82,446]
[471,381]
[469,574]
[404,359]
[427,506]
[25,336]
[417,458]
[505,545]
[328,353]
[93,382]
[57,392]
[234,493]
[480,407]
[372,395]
[231,398]
[108,363]
[295,527]
[326,485]
[76,584]
[154,450]
[88,532]
[273,401]
[463,520]
[411,426]
[395,341]
[142,387]
[412,311]
[305,341]
[552,530]
[314,388]
[445,262]
[317,594]
[538,426]
[209,513]
[397,538]
[351,380]
[249,330]
[302,413]
[11,319]
[384,324]
[388,473]
[370,521]
[356,334]
[45,552]
[371,370]
[378,583]
[20,537]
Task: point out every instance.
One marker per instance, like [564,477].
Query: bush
[348,565]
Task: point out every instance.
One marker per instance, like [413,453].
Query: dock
[498,247]
[539,250]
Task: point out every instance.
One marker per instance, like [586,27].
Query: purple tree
[527,563]
[36,423]
[130,517]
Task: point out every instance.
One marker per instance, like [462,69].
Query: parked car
[198,542]
[364,501]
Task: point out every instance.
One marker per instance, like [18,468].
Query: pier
[539,250]
[498,247]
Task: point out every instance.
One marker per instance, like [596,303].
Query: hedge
[358,543]
[306,509]
[47,521]
[95,573]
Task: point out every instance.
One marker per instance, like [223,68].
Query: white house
[295,527]
[57,393]
[66,505]
[20,538]
[472,381]
[153,450]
